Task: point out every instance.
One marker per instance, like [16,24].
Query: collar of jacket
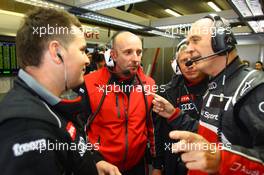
[105,74]
[228,71]
[68,108]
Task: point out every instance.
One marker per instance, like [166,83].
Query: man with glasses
[184,91]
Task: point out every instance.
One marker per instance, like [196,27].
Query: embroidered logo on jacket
[71,130]
[246,87]
[20,149]
[82,146]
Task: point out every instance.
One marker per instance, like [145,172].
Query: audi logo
[212,85]
[187,106]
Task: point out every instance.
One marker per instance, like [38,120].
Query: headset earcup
[219,41]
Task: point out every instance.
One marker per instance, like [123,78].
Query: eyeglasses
[183,61]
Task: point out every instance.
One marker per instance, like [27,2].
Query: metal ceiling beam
[228,14]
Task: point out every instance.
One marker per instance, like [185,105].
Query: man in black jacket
[230,133]
[40,133]
[184,91]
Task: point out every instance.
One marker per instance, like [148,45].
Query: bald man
[119,108]
[230,134]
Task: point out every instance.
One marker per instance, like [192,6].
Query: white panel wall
[251,53]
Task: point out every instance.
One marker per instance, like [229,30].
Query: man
[119,106]
[41,133]
[230,134]
[184,91]
[259,66]
[99,60]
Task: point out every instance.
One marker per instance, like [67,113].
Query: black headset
[222,37]
[59,56]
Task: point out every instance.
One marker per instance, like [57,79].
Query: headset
[65,70]
[222,39]
[178,48]
[59,56]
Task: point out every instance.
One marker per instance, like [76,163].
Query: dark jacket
[188,98]
[235,124]
[31,130]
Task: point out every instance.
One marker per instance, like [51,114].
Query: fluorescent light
[239,26]
[112,21]
[179,29]
[40,3]
[105,4]
[255,7]
[181,26]
[171,12]
[242,8]
[257,26]
[11,13]
[214,6]
[248,8]
[244,33]
[156,32]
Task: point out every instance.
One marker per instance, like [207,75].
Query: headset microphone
[65,71]
[199,58]
[59,56]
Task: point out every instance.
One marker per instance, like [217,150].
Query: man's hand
[156,172]
[162,107]
[105,168]
[198,153]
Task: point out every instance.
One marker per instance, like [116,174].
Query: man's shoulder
[250,80]
[176,82]
[22,104]
[100,75]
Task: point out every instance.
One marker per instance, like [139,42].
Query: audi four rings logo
[187,106]
[212,85]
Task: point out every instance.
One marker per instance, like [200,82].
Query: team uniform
[189,98]
[41,133]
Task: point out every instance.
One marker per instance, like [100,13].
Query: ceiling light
[257,26]
[112,21]
[160,33]
[11,13]
[239,26]
[244,33]
[171,12]
[40,3]
[242,8]
[105,4]
[181,26]
[214,6]
[248,8]
[255,7]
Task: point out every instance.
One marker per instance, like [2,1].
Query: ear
[113,54]
[54,49]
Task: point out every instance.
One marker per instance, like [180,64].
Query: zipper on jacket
[126,128]
[99,140]
[117,106]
